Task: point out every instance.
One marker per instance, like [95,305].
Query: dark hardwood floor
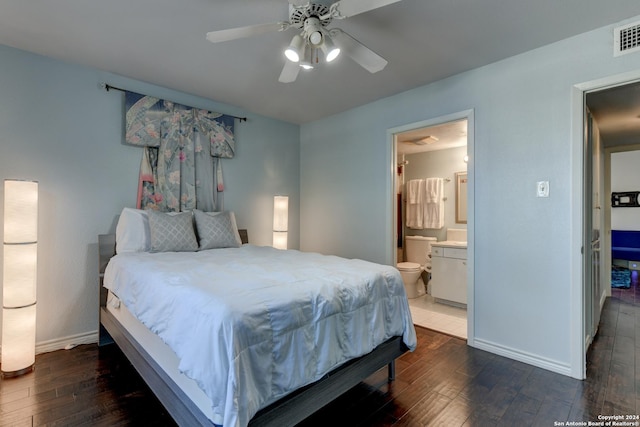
[443,383]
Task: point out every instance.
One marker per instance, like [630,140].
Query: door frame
[392,255]
[578,285]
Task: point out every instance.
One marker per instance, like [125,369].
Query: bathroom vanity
[449,272]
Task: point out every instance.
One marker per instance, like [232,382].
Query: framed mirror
[461,197]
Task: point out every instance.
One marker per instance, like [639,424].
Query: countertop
[450,244]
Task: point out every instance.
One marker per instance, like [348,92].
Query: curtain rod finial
[103,85]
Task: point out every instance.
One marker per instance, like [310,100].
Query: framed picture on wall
[627,199]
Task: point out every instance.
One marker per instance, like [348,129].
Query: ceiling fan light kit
[312,19]
[307,58]
[293,51]
[312,38]
[312,31]
[330,50]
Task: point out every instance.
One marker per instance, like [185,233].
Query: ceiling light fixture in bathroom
[429,139]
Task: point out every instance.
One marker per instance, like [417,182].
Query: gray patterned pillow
[217,230]
[172,233]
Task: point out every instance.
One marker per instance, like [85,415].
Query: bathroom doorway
[437,150]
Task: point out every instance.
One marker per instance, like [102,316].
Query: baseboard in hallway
[428,313]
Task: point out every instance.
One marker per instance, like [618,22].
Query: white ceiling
[617,113]
[163,42]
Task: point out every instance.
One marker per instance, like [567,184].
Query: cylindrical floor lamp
[280,221]
[19,277]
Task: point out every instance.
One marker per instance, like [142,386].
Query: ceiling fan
[312,19]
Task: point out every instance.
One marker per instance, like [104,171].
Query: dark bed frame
[287,411]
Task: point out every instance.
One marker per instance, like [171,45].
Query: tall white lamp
[280,221]
[19,277]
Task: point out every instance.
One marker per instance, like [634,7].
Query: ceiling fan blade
[364,56]
[289,72]
[345,8]
[240,32]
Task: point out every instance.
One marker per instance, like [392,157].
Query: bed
[248,335]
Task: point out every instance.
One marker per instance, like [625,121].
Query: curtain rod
[108,87]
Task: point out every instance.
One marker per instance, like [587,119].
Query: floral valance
[149,120]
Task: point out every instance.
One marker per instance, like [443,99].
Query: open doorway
[433,235]
[612,137]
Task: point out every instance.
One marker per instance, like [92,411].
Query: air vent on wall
[626,39]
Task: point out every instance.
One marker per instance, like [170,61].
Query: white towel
[415,205]
[433,190]
[433,210]
[413,190]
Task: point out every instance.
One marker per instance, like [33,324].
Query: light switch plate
[542,189]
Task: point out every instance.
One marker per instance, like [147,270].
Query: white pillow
[132,232]
[217,230]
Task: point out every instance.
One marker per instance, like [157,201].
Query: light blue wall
[523,134]
[59,128]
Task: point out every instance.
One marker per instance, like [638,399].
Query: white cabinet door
[449,279]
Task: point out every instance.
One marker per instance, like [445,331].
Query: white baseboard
[522,356]
[67,342]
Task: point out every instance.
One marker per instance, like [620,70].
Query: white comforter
[252,324]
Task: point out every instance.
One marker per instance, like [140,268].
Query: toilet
[418,254]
